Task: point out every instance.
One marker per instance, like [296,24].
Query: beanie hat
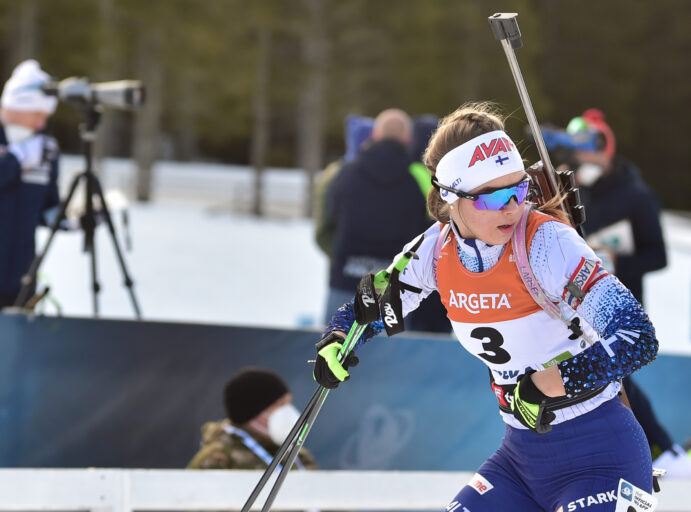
[23,90]
[357,130]
[423,128]
[251,391]
[594,119]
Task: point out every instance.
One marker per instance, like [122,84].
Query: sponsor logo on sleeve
[480,484]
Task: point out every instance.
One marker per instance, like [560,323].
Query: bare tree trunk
[186,132]
[260,125]
[26,39]
[312,106]
[146,128]
[107,64]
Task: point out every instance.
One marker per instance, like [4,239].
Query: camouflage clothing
[223,450]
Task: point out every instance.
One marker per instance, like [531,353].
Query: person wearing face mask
[622,212]
[28,173]
[623,220]
[569,438]
[260,415]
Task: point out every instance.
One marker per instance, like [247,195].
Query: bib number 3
[493,351]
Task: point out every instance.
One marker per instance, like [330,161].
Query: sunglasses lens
[522,191]
[500,198]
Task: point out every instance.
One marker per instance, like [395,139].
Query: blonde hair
[467,122]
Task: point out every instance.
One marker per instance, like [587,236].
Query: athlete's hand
[528,405]
[328,371]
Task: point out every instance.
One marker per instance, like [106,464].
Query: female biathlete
[569,438]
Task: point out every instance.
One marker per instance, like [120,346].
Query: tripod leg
[95,286]
[128,280]
[29,279]
[89,227]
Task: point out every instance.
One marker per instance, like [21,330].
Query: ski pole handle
[505,28]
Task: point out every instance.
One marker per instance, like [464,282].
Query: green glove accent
[528,406]
[330,354]
[527,410]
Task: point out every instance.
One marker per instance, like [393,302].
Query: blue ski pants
[575,467]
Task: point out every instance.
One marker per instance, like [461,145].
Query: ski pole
[290,439]
[353,335]
[298,433]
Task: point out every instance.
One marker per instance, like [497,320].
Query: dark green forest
[269,82]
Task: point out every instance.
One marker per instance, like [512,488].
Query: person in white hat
[569,438]
[28,172]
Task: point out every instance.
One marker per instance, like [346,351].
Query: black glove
[528,405]
[328,371]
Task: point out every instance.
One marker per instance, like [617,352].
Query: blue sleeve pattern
[627,341]
[343,320]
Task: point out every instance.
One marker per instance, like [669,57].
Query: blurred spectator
[28,173]
[430,316]
[260,415]
[375,205]
[357,133]
[623,219]
[622,212]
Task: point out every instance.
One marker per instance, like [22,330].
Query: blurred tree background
[269,82]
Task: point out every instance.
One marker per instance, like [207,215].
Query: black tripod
[88,221]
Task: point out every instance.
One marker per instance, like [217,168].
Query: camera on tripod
[90,99]
[119,94]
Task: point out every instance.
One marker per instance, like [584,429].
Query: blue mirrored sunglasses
[496,199]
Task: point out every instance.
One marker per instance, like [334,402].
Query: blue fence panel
[106,393]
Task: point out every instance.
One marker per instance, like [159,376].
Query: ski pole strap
[390,306]
[255,447]
[366,304]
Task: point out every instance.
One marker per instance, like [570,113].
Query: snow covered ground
[198,255]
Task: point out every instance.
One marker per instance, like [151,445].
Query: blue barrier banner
[109,393]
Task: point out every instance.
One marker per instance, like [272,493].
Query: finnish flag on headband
[476,162]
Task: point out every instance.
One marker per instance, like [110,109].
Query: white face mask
[17,133]
[587,174]
[281,421]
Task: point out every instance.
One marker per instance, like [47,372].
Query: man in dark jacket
[376,206]
[28,173]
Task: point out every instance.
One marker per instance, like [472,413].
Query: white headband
[23,90]
[476,162]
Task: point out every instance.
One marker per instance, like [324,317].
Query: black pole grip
[505,26]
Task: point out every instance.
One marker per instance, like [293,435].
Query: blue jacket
[377,207]
[22,204]
[619,195]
